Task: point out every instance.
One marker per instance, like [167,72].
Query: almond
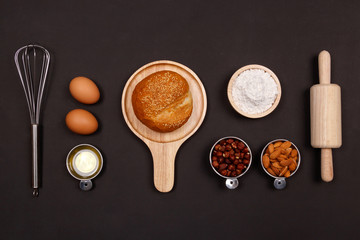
[287,174]
[286,162]
[277,144]
[285,145]
[283,171]
[275,154]
[267,151]
[281,159]
[288,151]
[271,148]
[277,165]
[271,171]
[294,153]
[266,161]
[292,166]
[276,171]
[282,156]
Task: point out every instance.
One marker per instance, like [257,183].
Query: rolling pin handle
[327,173]
[324,67]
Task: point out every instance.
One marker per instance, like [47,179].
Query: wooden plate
[231,82]
[163,146]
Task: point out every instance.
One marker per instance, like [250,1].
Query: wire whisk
[32,63]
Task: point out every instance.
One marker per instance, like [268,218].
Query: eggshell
[81,122]
[84,90]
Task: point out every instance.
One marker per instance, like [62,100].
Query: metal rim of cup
[277,140]
[215,168]
[100,163]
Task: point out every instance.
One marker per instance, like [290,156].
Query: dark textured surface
[107,41]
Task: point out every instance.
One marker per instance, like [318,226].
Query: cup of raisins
[230,157]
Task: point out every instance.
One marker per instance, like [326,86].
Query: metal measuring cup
[280,182]
[85,178]
[231,182]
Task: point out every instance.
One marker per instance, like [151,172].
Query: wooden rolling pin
[325,115]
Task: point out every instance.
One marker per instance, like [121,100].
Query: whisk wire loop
[26,61]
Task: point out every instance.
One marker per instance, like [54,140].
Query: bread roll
[162,101]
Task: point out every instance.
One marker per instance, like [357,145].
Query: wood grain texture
[164,146]
[325,116]
[324,62]
[325,112]
[231,83]
[327,171]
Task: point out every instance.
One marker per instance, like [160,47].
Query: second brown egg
[81,122]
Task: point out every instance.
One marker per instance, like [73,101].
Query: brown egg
[81,122]
[84,90]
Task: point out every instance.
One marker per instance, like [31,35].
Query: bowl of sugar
[254,91]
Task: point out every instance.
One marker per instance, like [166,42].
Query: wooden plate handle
[327,173]
[164,160]
[324,67]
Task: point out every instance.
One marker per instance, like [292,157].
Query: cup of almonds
[280,159]
[230,158]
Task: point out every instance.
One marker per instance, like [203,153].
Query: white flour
[254,91]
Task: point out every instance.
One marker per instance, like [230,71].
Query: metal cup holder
[231,182]
[85,178]
[280,182]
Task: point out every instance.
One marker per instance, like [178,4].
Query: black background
[109,40]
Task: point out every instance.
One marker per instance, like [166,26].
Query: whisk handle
[35,159]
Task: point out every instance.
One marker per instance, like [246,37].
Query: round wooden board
[231,82]
[164,146]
